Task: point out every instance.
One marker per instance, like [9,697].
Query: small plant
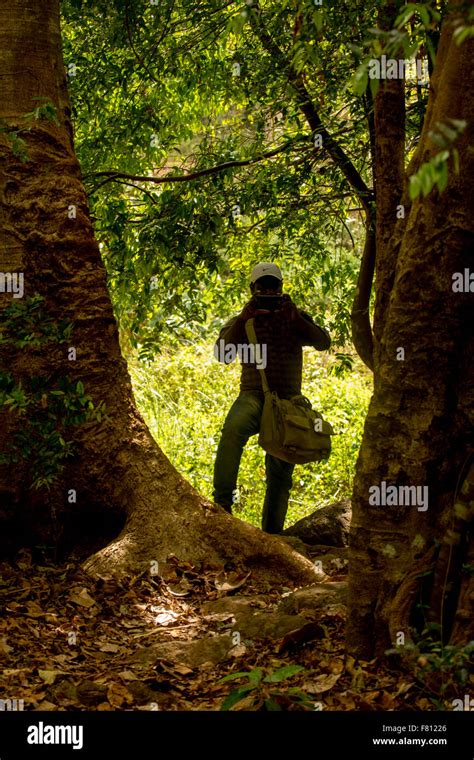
[18,145]
[441,668]
[45,407]
[260,693]
[435,171]
[44,111]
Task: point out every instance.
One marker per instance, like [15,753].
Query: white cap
[265,270]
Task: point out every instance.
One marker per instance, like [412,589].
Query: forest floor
[69,641]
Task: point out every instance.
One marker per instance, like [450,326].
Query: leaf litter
[69,641]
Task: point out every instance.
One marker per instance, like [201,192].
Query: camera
[271,303]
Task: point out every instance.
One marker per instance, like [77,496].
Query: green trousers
[243,421]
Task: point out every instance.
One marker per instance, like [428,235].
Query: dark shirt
[284,340]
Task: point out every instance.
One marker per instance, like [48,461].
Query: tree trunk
[389,126]
[418,431]
[117,471]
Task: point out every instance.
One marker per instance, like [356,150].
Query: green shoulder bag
[290,429]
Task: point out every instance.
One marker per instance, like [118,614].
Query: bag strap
[250,330]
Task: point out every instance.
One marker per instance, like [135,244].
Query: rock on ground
[328,525]
[315,599]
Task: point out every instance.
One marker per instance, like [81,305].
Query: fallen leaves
[119,695]
[69,641]
[109,648]
[49,676]
[183,588]
[166,617]
[34,610]
[45,706]
[128,675]
[238,650]
[4,647]
[226,582]
[81,597]
[321,683]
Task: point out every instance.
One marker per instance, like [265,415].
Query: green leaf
[233,676]
[272,706]
[451,134]
[424,15]
[232,699]
[255,676]
[442,180]
[459,124]
[440,157]
[463,33]
[318,20]
[426,180]
[360,80]
[414,187]
[438,139]
[374,87]
[282,673]
[405,15]
[235,696]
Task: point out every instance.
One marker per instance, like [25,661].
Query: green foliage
[155,95]
[176,255]
[431,173]
[440,668]
[25,323]
[468,569]
[18,145]
[428,13]
[45,110]
[411,33]
[44,407]
[462,31]
[260,695]
[435,171]
[360,79]
[185,395]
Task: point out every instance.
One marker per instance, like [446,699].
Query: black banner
[148,734]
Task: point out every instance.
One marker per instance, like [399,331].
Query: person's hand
[251,310]
[289,309]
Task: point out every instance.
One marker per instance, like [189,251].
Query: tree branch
[137,187]
[361,329]
[132,46]
[309,110]
[113,175]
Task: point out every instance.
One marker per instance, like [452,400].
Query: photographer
[283,329]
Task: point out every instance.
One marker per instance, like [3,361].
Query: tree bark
[389,118]
[418,431]
[118,470]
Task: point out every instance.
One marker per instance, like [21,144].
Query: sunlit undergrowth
[185,395]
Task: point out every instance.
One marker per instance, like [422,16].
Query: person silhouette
[282,330]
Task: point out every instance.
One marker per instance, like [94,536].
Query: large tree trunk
[118,469]
[418,430]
